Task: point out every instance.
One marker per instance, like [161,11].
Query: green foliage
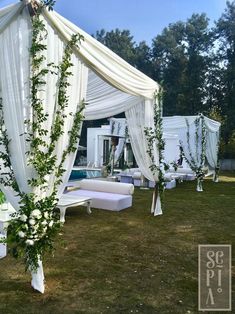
[197,163]
[2,197]
[181,56]
[120,42]
[195,63]
[225,34]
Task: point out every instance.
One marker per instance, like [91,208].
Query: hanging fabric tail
[153,202]
[199,185]
[37,281]
[216,176]
[158,207]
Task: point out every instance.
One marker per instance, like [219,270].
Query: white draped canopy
[108,84]
[178,125]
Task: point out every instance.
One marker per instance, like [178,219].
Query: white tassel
[37,281]
[158,208]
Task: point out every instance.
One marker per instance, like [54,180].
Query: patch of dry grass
[128,262]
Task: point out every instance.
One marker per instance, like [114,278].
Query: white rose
[21,234]
[51,223]
[46,215]
[23,218]
[32,222]
[36,214]
[30,242]
[44,222]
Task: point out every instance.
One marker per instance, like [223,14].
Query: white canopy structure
[178,125]
[108,84]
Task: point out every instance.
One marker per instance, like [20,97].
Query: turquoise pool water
[78,174]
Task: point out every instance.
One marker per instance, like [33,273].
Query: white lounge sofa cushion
[103,200]
[107,187]
[184,170]
[137,175]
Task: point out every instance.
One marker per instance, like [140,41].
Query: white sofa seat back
[107,187]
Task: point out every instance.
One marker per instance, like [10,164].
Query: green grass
[128,262]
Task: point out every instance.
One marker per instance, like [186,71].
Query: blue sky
[144,18]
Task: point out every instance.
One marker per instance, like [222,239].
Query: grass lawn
[128,262]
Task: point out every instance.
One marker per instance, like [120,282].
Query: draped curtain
[14,80]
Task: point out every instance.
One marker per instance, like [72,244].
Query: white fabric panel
[106,186]
[37,281]
[212,149]
[76,92]
[171,152]
[119,149]
[8,13]
[138,117]
[213,128]
[104,62]
[103,100]
[14,81]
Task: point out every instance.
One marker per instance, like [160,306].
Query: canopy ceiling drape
[108,84]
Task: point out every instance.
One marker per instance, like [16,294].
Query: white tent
[107,83]
[178,125]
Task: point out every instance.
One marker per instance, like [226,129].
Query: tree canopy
[194,63]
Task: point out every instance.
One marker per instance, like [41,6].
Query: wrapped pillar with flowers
[155,143]
[38,152]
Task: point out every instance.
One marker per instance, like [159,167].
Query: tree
[180,56]
[198,40]
[225,31]
[121,42]
[143,58]
[169,65]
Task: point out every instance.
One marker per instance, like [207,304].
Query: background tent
[178,125]
[107,83]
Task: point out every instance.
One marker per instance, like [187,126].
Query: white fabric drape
[119,149]
[103,100]
[212,148]
[14,80]
[8,13]
[139,117]
[101,60]
[177,125]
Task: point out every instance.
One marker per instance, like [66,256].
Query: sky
[144,18]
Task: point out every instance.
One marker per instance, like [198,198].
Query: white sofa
[113,196]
